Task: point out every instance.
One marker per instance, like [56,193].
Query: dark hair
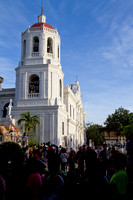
[91,159]
[120,161]
[53,163]
[63,150]
[2,187]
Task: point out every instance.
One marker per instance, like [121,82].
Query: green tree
[93,131]
[128,131]
[118,120]
[130,118]
[30,123]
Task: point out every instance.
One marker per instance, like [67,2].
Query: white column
[46,128]
[51,128]
[29,46]
[21,48]
[17,86]
[42,45]
[41,89]
[41,131]
[45,85]
[26,86]
[20,89]
[23,86]
[54,48]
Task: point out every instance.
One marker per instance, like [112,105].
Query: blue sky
[96,45]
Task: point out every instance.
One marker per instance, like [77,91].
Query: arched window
[49,45]
[35,44]
[34,84]
[70,110]
[24,48]
[58,51]
[5,109]
[60,88]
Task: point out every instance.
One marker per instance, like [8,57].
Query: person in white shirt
[63,157]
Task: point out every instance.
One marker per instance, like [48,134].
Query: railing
[35,54]
[33,95]
[43,28]
[36,28]
[40,29]
[50,55]
[51,30]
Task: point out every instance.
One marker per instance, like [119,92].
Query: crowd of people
[50,172]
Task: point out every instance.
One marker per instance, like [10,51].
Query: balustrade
[50,55]
[33,95]
[35,54]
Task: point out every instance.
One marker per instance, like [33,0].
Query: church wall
[71,104]
[72,133]
[76,115]
[47,131]
[62,127]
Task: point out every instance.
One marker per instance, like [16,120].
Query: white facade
[76,114]
[40,91]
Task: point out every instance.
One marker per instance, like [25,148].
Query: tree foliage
[118,120]
[30,123]
[93,131]
[115,121]
[128,131]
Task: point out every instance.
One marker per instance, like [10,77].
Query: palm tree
[30,123]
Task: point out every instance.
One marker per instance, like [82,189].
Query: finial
[41,7]
[42,17]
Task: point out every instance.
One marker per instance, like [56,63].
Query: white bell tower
[39,78]
[39,81]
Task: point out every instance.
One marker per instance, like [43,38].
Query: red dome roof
[42,24]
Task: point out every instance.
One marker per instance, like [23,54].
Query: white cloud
[118,52]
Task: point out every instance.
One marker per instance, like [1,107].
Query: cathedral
[39,89]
